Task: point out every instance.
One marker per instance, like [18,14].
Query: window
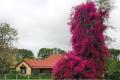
[23,69]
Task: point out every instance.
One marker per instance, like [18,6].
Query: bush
[13,72]
[113,76]
[22,76]
[46,76]
[2,76]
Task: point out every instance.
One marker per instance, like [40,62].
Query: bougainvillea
[87,59]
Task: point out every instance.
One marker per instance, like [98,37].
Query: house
[27,67]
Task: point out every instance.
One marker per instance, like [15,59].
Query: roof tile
[46,63]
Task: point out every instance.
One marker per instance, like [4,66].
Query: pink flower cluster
[87,59]
[74,67]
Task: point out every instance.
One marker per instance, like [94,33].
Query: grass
[25,77]
[13,75]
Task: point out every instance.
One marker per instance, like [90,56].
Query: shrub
[87,59]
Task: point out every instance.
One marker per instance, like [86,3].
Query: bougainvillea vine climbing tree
[89,52]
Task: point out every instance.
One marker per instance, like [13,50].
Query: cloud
[43,23]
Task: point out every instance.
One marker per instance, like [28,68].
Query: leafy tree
[113,65]
[7,35]
[115,54]
[7,52]
[113,75]
[113,61]
[88,56]
[24,53]
[45,52]
[113,70]
[58,50]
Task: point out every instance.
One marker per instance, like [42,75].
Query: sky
[43,23]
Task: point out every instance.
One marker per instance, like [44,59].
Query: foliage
[7,52]
[113,66]
[13,76]
[113,75]
[113,70]
[115,54]
[35,72]
[4,67]
[13,71]
[24,53]
[106,6]
[88,57]
[45,52]
[46,76]
[7,35]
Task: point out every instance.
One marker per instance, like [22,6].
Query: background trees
[115,54]
[24,54]
[45,52]
[7,52]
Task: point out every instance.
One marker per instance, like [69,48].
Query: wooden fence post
[28,77]
[39,76]
[16,76]
[5,76]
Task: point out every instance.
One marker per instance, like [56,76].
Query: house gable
[28,68]
[47,64]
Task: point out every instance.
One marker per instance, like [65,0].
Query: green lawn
[14,76]
[21,77]
[26,79]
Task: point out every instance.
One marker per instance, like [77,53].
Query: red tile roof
[46,63]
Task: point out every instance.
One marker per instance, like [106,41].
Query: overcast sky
[43,23]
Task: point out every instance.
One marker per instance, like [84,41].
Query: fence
[25,77]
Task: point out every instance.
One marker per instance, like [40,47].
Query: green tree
[58,50]
[7,35]
[7,52]
[45,52]
[113,65]
[115,54]
[113,76]
[113,70]
[24,53]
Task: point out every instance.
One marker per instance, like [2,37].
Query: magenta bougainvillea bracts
[87,59]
